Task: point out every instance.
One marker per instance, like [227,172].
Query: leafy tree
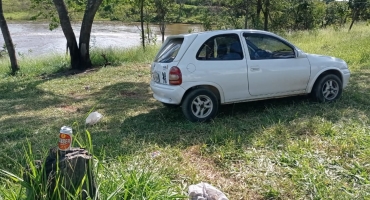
[266,14]
[142,11]
[110,9]
[309,14]
[357,8]
[238,12]
[80,53]
[335,13]
[259,5]
[162,8]
[141,5]
[294,14]
[8,41]
[207,19]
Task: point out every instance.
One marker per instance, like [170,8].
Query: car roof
[237,31]
[230,31]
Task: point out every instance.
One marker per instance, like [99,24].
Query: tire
[328,88]
[170,106]
[200,105]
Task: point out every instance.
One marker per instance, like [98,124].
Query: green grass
[17,9]
[289,148]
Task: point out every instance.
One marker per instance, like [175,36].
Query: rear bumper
[167,93]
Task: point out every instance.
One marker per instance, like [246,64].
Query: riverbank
[34,38]
[54,63]
[289,148]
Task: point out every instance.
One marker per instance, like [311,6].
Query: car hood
[327,61]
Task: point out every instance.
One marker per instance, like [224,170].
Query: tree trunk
[350,27]
[85,33]
[246,14]
[266,14]
[8,41]
[80,55]
[181,7]
[162,29]
[142,23]
[354,17]
[259,9]
[148,33]
[68,33]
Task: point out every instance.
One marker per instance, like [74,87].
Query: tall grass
[125,178]
[118,57]
[337,42]
[58,62]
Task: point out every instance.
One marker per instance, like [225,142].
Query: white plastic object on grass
[205,191]
[93,118]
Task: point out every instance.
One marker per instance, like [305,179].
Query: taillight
[175,76]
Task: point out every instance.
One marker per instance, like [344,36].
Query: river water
[35,38]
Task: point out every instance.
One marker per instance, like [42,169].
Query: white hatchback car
[200,71]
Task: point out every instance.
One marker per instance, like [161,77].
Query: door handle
[254,69]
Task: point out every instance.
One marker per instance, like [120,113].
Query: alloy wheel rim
[201,106]
[330,89]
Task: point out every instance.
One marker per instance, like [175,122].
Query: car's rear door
[219,59]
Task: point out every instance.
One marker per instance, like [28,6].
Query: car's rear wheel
[200,105]
[328,88]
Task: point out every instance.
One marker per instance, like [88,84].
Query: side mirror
[300,54]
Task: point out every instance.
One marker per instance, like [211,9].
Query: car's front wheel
[328,88]
[200,105]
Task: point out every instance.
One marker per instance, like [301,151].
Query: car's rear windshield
[169,52]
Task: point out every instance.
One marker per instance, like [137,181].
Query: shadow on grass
[150,123]
[134,120]
[24,95]
[23,119]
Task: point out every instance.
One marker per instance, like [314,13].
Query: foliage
[336,14]
[283,15]
[45,9]
[358,8]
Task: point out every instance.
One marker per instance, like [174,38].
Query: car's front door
[273,67]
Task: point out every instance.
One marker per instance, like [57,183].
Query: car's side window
[262,47]
[221,47]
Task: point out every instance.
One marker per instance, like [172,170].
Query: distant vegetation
[17,9]
[220,14]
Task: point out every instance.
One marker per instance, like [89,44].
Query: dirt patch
[129,94]
[67,72]
[68,108]
[76,96]
[207,172]
[133,94]
[20,107]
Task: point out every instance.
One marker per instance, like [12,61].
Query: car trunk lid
[169,56]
